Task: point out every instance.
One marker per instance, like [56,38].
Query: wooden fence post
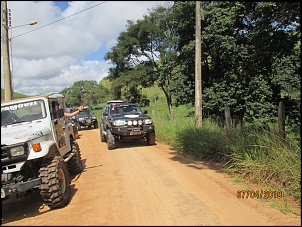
[281,119]
[227,114]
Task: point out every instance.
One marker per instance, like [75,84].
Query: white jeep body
[33,142]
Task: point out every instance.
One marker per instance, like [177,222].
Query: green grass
[263,158]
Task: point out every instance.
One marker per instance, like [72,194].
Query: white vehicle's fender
[46,145]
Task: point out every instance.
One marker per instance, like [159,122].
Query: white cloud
[50,56]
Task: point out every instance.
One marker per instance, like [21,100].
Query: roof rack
[115,101]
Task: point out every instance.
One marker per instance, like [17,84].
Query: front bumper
[132,131]
[87,122]
[8,190]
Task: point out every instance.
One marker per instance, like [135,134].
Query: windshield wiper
[17,122]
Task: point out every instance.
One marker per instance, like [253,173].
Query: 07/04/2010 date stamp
[259,194]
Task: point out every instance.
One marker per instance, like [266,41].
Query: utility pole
[6,57]
[198,76]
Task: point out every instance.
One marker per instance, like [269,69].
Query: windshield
[22,112]
[85,113]
[123,109]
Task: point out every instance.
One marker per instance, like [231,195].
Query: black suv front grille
[4,153]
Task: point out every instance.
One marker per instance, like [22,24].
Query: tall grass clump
[165,128]
[207,143]
[261,157]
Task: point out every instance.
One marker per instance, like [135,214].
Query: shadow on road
[132,143]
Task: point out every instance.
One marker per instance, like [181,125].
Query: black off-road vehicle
[124,121]
[86,118]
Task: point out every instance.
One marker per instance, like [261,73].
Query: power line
[59,20]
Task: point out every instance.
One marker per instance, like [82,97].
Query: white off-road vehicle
[38,150]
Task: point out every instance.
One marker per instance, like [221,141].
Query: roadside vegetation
[255,156]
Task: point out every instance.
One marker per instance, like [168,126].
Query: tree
[85,92]
[245,48]
[241,43]
[150,45]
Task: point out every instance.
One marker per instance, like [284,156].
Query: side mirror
[60,113]
[145,111]
[105,114]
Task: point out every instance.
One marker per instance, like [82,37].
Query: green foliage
[87,93]
[149,47]
[249,49]
[166,129]
[206,143]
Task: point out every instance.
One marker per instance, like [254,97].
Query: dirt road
[143,185]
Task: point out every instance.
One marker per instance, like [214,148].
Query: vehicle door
[62,129]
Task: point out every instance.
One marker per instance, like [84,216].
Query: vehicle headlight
[140,122]
[118,123]
[81,119]
[129,123]
[135,122]
[17,151]
[93,117]
[148,121]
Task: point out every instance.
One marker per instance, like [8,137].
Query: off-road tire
[110,140]
[95,124]
[75,165]
[151,138]
[103,137]
[55,186]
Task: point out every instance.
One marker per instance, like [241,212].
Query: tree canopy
[250,58]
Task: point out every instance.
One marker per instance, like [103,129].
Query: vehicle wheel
[110,140]
[103,137]
[95,124]
[55,186]
[75,165]
[151,138]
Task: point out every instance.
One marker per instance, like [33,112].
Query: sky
[68,43]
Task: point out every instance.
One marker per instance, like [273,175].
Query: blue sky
[62,4]
[68,43]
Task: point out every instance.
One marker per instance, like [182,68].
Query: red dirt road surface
[142,185]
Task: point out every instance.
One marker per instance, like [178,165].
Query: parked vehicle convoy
[125,121]
[38,149]
[86,118]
